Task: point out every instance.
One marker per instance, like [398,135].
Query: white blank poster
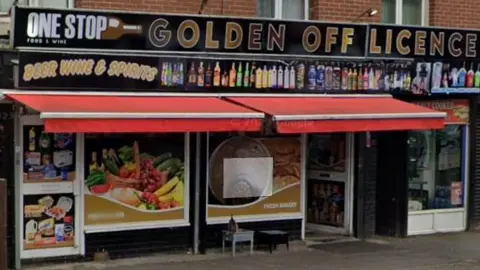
[247,177]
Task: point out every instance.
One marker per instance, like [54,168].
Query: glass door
[328,184]
[49,196]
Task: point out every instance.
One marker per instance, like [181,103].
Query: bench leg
[251,247]
[223,245]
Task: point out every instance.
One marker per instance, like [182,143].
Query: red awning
[118,114]
[343,114]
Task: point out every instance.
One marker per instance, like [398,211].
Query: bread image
[127,196]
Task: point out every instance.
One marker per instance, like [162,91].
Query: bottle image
[476,81]
[232,76]
[216,74]
[44,142]
[407,83]
[437,75]
[470,75]
[337,78]
[175,74]
[31,140]
[192,75]
[117,28]
[445,80]
[104,159]
[163,76]
[270,78]
[253,75]
[225,79]
[311,78]
[246,76]
[300,76]
[349,80]
[169,74]
[280,77]
[93,166]
[366,82]
[286,78]
[371,79]
[201,75]
[360,78]
[462,76]
[258,78]
[320,80]
[354,80]
[239,75]
[454,77]
[396,80]
[208,76]
[344,81]
[180,74]
[264,77]
[274,77]
[292,77]
[379,78]
[328,78]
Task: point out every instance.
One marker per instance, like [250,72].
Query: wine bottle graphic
[117,28]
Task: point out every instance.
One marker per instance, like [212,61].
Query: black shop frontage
[138,133]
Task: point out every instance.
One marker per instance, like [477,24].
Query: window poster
[48,221]
[135,180]
[48,158]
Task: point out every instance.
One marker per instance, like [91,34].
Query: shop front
[432,194]
[438,171]
[158,141]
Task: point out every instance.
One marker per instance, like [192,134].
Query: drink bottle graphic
[117,28]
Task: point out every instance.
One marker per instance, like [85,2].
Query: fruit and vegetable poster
[134,179]
[285,181]
[48,221]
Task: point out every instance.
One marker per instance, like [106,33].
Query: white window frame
[35,3]
[399,12]
[278,9]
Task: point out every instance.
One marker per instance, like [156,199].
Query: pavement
[442,251]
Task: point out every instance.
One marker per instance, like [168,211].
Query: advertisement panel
[135,181]
[458,110]
[48,214]
[80,29]
[279,185]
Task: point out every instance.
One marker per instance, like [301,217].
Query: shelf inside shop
[455,90]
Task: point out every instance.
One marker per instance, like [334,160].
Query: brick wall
[216,7]
[456,13]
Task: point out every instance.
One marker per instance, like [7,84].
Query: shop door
[49,192]
[329,183]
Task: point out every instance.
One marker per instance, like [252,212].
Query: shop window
[283,9]
[263,183]
[51,3]
[435,168]
[135,180]
[409,12]
[5,5]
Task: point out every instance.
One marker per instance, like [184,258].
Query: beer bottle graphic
[117,28]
